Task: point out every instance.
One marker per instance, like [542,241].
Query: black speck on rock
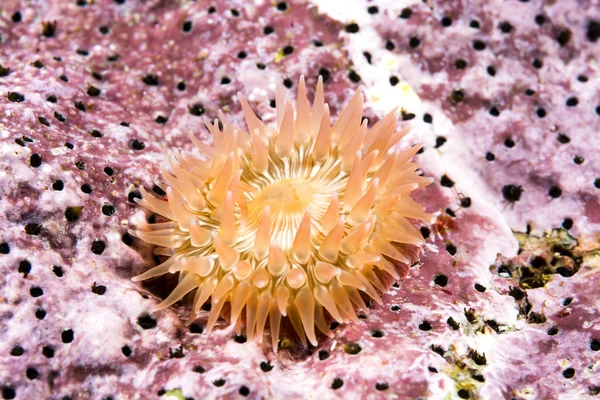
[512,193]
[15,97]
[33,229]
[352,348]
[98,289]
[4,248]
[146,321]
[72,213]
[593,31]
[446,181]
[48,28]
[196,109]
[93,91]
[150,80]
[24,268]
[67,336]
[337,383]
[266,366]
[98,247]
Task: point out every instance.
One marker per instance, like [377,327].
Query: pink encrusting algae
[288,221]
[500,301]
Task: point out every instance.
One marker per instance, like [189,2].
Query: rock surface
[93,94]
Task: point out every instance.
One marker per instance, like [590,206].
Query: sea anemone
[287,222]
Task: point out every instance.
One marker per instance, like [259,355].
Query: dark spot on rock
[572,101]
[425,326]
[146,321]
[440,280]
[44,121]
[244,391]
[24,268]
[474,24]
[595,345]
[80,106]
[35,160]
[4,248]
[427,118]
[563,37]
[593,31]
[457,96]
[108,210]
[181,85]
[93,91]
[15,97]
[137,144]
[506,27]
[48,28]
[196,109]
[512,193]
[354,77]
[479,288]
[406,13]
[537,63]
[352,348]
[150,80]
[40,313]
[33,229]
[58,271]
[199,369]
[460,64]
[536,318]
[59,117]
[478,45]
[32,373]
[16,17]
[377,333]
[240,338]
[67,336]
[555,192]
[568,373]
[126,351]
[219,382]
[381,386]
[337,383]
[85,188]
[446,181]
[464,394]
[98,247]
[177,353]
[451,249]
[17,351]
[352,28]
[446,22]
[414,42]
[187,26]
[48,351]
[266,366]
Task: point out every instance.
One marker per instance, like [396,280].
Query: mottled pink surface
[500,327]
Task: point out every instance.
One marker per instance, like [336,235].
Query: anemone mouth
[298,221]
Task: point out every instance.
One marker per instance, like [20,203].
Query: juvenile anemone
[293,222]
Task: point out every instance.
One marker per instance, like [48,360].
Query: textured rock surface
[90,104]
